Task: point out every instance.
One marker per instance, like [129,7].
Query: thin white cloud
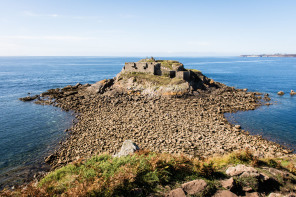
[28,13]
[47,37]
[198,43]
[31,14]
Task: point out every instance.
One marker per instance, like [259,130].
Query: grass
[147,172]
[147,60]
[164,63]
[154,79]
[240,157]
[167,63]
[195,70]
[105,175]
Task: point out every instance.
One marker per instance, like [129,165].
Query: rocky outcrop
[280,93]
[194,187]
[100,87]
[158,114]
[224,193]
[176,193]
[189,124]
[127,148]
[29,98]
[248,181]
[242,171]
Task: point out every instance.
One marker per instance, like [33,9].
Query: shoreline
[105,120]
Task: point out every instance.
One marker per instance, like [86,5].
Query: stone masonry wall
[144,67]
[185,75]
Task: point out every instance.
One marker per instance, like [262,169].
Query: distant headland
[270,55]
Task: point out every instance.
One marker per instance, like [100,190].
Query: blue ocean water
[28,132]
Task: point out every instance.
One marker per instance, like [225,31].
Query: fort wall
[155,68]
[185,75]
[143,67]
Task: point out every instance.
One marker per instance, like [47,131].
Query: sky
[146,28]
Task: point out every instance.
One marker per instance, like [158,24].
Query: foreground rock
[127,148]
[194,187]
[224,193]
[242,171]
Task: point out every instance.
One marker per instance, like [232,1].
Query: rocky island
[173,114]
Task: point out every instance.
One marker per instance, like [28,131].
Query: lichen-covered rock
[176,193]
[242,171]
[275,195]
[252,194]
[228,183]
[194,187]
[224,193]
[281,173]
[100,86]
[128,147]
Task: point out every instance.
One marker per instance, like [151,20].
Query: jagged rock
[50,158]
[275,195]
[252,194]
[128,147]
[277,172]
[224,193]
[68,93]
[242,171]
[228,184]
[77,85]
[29,98]
[263,177]
[176,193]
[100,86]
[237,126]
[280,93]
[291,195]
[247,189]
[194,187]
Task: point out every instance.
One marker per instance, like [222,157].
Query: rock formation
[159,113]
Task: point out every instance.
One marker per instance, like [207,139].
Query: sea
[29,132]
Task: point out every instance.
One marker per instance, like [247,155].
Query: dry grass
[105,175]
[167,63]
[154,79]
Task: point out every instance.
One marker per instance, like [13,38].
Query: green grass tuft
[148,172]
[154,79]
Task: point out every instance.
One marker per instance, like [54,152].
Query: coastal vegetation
[178,119]
[164,63]
[146,172]
[142,78]
[168,63]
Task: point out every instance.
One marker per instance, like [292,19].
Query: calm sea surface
[28,132]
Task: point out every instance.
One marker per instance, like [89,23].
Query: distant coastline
[270,55]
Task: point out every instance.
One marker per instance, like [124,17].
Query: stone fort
[158,67]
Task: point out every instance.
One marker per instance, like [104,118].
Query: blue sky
[146,28]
